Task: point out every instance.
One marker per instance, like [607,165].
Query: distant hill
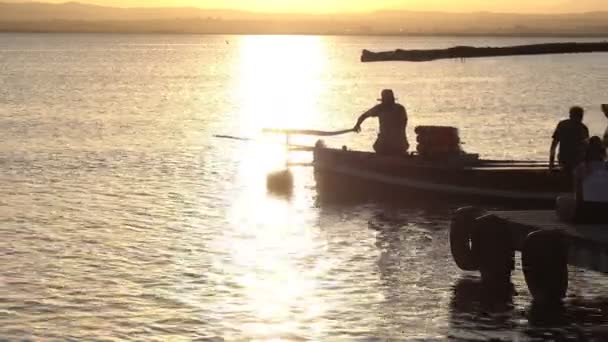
[32,11]
[77,17]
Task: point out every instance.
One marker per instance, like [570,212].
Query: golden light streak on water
[279,86]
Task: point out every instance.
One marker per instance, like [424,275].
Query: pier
[486,241]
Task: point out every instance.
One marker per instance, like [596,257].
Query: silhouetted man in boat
[571,135]
[392,116]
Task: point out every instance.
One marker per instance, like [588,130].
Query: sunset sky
[319,6]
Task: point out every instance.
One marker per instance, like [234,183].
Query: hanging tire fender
[545,265]
[462,238]
[495,250]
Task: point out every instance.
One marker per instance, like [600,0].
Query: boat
[347,172]
[438,170]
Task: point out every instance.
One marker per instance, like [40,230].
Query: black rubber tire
[462,238]
[496,252]
[545,265]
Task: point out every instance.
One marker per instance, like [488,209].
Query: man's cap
[387,95]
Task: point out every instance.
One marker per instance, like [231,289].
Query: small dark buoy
[280,182]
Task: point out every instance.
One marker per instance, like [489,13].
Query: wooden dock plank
[587,243]
[547,219]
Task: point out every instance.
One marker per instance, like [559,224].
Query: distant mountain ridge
[532,6]
[78,17]
[19,10]
[27,11]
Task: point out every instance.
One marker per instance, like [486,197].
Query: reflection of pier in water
[473,309]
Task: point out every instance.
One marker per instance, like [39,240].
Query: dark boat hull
[349,173]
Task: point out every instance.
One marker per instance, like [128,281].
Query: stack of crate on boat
[438,141]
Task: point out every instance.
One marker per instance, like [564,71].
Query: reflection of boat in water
[477,311]
[513,182]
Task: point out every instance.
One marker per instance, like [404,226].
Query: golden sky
[319,6]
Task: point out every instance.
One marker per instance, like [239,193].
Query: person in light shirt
[589,203]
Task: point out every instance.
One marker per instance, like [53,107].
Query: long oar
[232,137]
[306,132]
[290,132]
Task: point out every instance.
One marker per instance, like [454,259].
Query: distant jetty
[478,52]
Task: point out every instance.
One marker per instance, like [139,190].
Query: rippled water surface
[121,217]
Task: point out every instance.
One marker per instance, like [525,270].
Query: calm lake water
[121,217]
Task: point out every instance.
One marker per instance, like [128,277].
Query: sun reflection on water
[274,264]
[280,80]
[272,245]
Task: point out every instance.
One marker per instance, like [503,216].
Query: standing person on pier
[392,139]
[571,135]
